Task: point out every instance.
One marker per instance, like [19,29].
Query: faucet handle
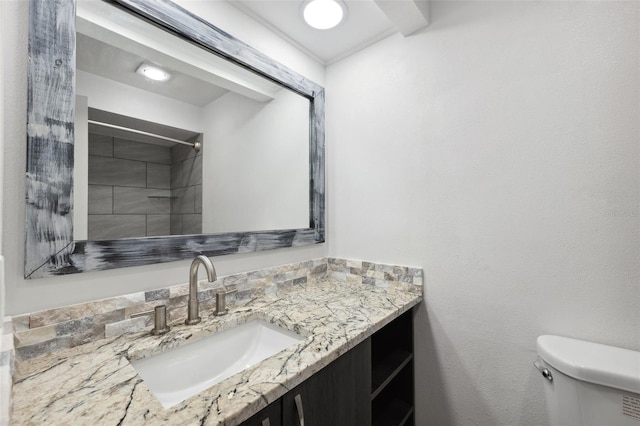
[160,319]
[221,299]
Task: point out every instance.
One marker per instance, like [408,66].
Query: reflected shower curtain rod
[194,145]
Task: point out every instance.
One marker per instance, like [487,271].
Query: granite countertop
[95,383]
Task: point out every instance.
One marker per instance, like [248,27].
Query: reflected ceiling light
[153,72]
[323,14]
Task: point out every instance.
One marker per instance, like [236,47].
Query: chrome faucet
[192,310]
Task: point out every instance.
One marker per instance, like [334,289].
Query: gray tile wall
[129,189]
[186,191]
[138,190]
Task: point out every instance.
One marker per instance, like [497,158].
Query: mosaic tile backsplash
[52,330]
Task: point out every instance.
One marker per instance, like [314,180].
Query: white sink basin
[179,373]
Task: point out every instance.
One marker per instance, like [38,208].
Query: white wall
[256,162]
[499,150]
[30,295]
[2,117]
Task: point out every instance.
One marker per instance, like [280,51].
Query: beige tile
[20,322]
[354,263]
[354,279]
[131,325]
[36,335]
[379,275]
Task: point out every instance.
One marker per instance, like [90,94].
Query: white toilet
[588,383]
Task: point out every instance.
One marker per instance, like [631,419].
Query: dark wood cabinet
[337,395]
[372,384]
[392,385]
[271,415]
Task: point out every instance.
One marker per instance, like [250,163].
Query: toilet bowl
[589,384]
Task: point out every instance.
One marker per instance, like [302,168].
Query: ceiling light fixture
[323,14]
[153,72]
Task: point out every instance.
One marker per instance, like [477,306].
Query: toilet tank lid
[592,362]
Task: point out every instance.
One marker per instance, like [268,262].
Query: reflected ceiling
[99,58]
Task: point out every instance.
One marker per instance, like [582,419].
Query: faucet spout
[193,316]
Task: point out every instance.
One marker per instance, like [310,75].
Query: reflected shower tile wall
[192,224]
[158,225]
[158,176]
[117,171]
[176,224]
[176,175]
[100,199]
[38,333]
[181,153]
[192,171]
[184,200]
[141,201]
[128,181]
[101,145]
[144,152]
[198,200]
[107,227]
[186,190]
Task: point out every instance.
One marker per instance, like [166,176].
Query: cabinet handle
[298,400]
[266,422]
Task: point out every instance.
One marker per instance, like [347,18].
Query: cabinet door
[268,416]
[338,395]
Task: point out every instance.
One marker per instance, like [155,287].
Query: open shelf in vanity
[392,399]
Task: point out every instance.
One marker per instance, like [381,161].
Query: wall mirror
[225,157]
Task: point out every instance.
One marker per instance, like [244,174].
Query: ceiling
[365,24]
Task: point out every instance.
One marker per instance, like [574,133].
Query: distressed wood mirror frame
[49,245]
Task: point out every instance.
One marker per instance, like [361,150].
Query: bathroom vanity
[351,359]
[352,364]
[372,384]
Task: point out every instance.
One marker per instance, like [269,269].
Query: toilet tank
[591,384]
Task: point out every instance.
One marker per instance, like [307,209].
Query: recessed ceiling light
[323,14]
[153,72]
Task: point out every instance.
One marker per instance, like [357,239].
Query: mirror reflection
[139,185]
[134,174]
